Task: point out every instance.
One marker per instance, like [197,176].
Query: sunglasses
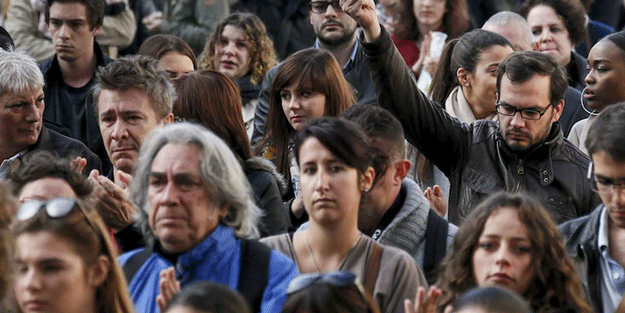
[337,279]
[54,208]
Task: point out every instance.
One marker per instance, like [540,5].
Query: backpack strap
[373,267]
[254,271]
[134,263]
[435,245]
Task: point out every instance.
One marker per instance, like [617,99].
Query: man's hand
[363,11]
[169,287]
[111,200]
[153,21]
[78,164]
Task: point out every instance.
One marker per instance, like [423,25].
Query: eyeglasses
[337,279]
[528,114]
[55,208]
[320,7]
[604,185]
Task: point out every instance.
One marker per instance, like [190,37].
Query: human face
[503,254]
[45,189]
[175,63]
[605,82]
[482,89]
[300,104]
[514,32]
[549,30]
[608,168]
[125,118]
[183,309]
[182,211]
[429,13]
[333,28]
[51,276]
[71,34]
[521,134]
[331,189]
[232,53]
[394,11]
[21,117]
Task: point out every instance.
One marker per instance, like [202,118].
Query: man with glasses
[336,32]
[524,152]
[597,241]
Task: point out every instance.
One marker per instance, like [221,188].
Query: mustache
[516,131]
[331,21]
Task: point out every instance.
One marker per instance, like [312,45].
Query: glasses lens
[530,114]
[28,209]
[319,6]
[60,207]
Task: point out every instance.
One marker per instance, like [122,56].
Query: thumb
[94,174]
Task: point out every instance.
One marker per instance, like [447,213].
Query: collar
[6,164]
[457,106]
[52,65]
[390,214]
[554,140]
[603,242]
[352,57]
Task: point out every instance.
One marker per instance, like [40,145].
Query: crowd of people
[284,156]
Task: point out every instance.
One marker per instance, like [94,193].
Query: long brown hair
[319,71]
[84,229]
[213,100]
[456,19]
[555,284]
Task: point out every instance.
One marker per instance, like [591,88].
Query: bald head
[513,27]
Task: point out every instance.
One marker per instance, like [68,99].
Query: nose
[32,114]
[322,181]
[64,31]
[229,48]
[502,256]
[169,194]
[618,196]
[32,280]
[517,120]
[590,77]
[294,103]
[332,10]
[120,131]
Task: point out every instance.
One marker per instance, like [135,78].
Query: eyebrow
[493,236]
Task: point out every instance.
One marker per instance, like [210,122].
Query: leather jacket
[580,238]
[476,159]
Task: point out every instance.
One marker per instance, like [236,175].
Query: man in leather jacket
[524,151]
[596,241]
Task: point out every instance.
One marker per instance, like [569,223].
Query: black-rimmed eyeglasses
[320,7]
[604,185]
[528,114]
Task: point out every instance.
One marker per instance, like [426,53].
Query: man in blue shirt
[193,202]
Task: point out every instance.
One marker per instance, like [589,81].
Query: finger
[419,299]
[125,178]
[111,187]
[94,174]
[438,191]
[408,308]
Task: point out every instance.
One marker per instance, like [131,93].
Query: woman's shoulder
[281,243]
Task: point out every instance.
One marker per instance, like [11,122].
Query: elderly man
[21,109]
[524,151]
[132,97]
[597,241]
[194,201]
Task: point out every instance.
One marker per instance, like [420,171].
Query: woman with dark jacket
[212,100]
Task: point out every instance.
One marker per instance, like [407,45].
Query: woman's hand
[424,53]
[422,303]
[169,286]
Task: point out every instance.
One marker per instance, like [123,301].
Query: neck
[342,51]
[330,246]
[616,237]
[8,152]
[370,216]
[479,110]
[79,72]
[424,29]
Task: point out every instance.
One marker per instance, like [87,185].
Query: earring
[366,190]
[467,84]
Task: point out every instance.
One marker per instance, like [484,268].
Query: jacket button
[545,172]
[545,179]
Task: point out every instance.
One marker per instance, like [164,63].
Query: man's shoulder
[582,228]
[46,65]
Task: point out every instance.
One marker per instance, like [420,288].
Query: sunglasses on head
[54,208]
[337,279]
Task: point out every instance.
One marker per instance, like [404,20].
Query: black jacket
[474,157]
[580,238]
[64,147]
[53,114]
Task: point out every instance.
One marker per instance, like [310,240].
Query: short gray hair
[220,170]
[19,73]
[503,18]
[139,72]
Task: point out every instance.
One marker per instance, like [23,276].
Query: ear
[463,77]
[557,110]
[168,119]
[367,179]
[223,210]
[96,31]
[99,271]
[401,170]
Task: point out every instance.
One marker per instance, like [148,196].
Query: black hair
[209,297]
[607,132]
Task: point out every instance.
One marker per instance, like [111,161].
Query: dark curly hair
[572,13]
[555,284]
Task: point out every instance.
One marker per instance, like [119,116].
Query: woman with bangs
[65,260]
[309,84]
